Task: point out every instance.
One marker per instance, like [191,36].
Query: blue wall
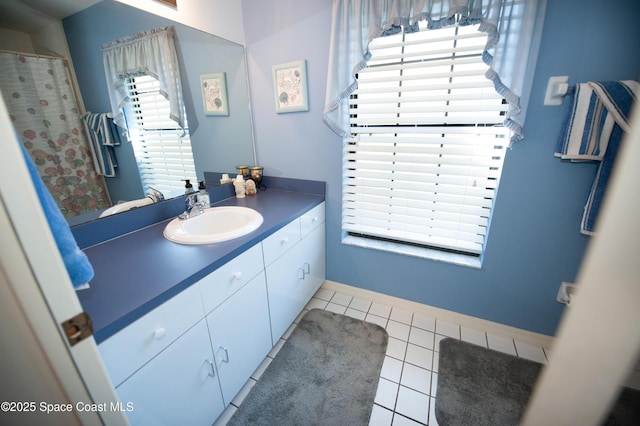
[534,242]
[218,145]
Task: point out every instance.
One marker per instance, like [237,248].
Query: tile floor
[406,392]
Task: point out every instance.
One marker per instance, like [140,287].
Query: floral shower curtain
[44,111]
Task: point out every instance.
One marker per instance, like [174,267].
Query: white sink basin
[216,224]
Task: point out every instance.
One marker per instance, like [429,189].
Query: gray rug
[326,373]
[483,387]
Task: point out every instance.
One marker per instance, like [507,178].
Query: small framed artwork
[290,87]
[214,94]
[169,2]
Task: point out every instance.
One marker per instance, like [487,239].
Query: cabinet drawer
[278,243]
[311,219]
[218,286]
[136,344]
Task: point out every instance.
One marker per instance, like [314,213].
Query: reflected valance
[146,53]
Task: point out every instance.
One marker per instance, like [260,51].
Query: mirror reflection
[219,142]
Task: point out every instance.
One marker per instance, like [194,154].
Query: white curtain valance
[146,53]
[514,28]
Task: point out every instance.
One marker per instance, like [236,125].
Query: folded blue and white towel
[597,120]
[596,109]
[103,137]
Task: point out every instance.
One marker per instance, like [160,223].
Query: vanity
[181,328]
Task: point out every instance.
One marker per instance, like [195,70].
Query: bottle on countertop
[188,188]
[203,195]
[225,179]
[239,186]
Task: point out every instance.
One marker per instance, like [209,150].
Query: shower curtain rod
[33,55]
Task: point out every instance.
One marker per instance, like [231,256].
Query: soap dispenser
[203,195]
[188,188]
[239,186]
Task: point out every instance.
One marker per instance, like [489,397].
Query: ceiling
[30,15]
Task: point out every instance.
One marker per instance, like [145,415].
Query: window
[423,161]
[163,155]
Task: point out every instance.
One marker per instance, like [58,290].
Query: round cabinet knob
[237,275]
[159,333]
[315,219]
[285,240]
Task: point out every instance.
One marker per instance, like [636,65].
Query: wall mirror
[219,142]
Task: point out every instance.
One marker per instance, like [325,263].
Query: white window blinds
[164,157]
[426,149]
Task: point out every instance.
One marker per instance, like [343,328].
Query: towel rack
[557,88]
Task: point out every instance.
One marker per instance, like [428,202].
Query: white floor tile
[354,313]
[401,315]
[416,378]
[399,420]
[360,304]
[434,384]
[324,294]
[391,369]
[260,370]
[448,329]
[382,322]
[473,336]
[396,348]
[417,355]
[413,404]
[242,394]
[502,344]
[316,303]
[530,352]
[226,415]
[386,394]
[436,361]
[421,337]
[287,333]
[380,310]
[341,299]
[276,348]
[334,307]
[398,330]
[380,416]
[424,322]
[432,412]
[436,341]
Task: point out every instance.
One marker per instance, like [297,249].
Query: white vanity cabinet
[184,362]
[296,275]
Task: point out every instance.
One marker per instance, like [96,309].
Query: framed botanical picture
[290,87]
[214,94]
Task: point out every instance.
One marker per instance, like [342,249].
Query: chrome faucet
[192,208]
[155,195]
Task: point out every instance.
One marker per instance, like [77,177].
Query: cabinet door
[312,249]
[293,279]
[240,336]
[176,387]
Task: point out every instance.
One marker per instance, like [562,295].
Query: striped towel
[596,123]
[103,137]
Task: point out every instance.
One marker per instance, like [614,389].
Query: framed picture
[214,94]
[290,87]
[169,2]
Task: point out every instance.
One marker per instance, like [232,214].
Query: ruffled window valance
[514,28]
[146,53]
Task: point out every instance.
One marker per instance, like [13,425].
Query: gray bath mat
[483,387]
[326,373]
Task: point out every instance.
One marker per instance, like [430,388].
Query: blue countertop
[138,271]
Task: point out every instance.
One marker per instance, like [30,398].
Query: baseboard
[524,336]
